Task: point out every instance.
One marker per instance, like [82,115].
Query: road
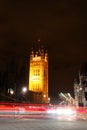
[36,118]
[20,123]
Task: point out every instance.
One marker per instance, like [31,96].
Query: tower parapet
[40,54]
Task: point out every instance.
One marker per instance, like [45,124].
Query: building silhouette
[38,75]
[80,87]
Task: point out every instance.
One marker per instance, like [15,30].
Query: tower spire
[39,48]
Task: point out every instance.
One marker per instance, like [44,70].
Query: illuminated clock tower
[38,75]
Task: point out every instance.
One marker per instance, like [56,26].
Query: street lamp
[24,92]
[12,92]
[24,89]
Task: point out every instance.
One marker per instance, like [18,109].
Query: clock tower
[38,75]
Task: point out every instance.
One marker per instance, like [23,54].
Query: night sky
[62,27]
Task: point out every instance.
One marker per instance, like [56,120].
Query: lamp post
[24,90]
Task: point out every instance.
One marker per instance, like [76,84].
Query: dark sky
[62,27]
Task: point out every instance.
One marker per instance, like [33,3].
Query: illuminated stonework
[38,74]
[80,91]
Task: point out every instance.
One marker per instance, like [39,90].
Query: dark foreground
[41,124]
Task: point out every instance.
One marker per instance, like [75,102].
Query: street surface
[41,117]
[41,124]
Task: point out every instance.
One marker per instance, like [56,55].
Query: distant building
[80,88]
[38,76]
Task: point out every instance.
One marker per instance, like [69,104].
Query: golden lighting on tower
[38,74]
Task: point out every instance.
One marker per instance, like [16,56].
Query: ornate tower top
[40,52]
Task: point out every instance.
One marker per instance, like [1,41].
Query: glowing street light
[12,92]
[24,89]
